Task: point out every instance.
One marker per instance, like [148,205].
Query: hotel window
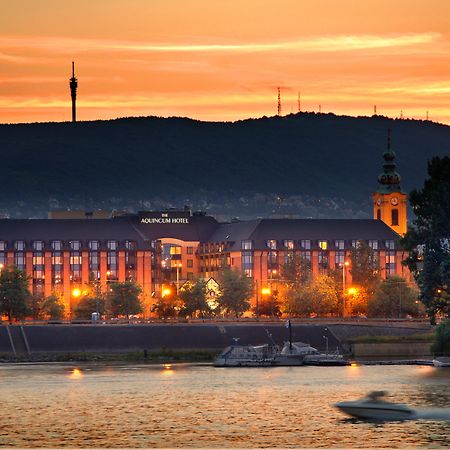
[272,244]
[38,266]
[3,253]
[247,245]
[190,263]
[247,263]
[190,276]
[111,245]
[339,258]
[111,265]
[394,217]
[339,244]
[272,259]
[389,244]
[373,244]
[75,265]
[94,264]
[323,245]
[190,250]
[19,246]
[19,260]
[390,263]
[130,259]
[3,246]
[288,244]
[93,245]
[57,264]
[130,245]
[38,245]
[323,261]
[305,244]
[75,245]
[306,256]
[56,245]
[356,243]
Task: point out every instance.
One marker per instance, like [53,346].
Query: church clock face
[394,201]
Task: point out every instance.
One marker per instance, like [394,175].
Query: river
[194,405]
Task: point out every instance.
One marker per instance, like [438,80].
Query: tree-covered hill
[316,155]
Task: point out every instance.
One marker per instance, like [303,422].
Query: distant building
[160,248]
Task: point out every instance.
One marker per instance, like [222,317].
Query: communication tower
[279,102]
[73,83]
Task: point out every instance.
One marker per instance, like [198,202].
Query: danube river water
[191,405]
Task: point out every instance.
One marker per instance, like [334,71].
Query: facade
[157,249]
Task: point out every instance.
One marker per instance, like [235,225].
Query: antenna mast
[279,102]
[298,103]
[73,84]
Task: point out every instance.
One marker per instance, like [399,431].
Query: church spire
[389,179]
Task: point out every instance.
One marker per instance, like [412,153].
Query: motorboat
[441,361]
[372,407]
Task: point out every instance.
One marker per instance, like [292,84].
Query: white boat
[441,361]
[246,356]
[372,407]
[292,354]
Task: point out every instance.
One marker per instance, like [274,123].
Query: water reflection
[206,407]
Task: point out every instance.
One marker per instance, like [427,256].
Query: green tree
[194,301]
[318,296]
[297,271]
[14,294]
[51,307]
[364,267]
[428,240]
[394,298]
[124,299]
[88,305]
[268,305]
[441,343]
[235,292]
[169,305]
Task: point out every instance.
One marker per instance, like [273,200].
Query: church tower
[389,202]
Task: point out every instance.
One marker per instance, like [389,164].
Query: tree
[269,305]
[394,298]
[124,299]
[356,301]
[193,297]
[428,240]
[88,305]
[364,267]
[318,296]
[235,292]
[297,271]
[441,343]
[51,307]
[169,305]
[14,294]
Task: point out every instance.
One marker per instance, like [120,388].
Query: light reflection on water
[182,405]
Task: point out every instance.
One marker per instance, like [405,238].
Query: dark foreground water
[190,405]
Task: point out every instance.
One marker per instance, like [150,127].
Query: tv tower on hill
[279,102]
[73,93]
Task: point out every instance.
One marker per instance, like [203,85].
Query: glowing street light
[265,291]
[76,292]
[165,292]
[352,291]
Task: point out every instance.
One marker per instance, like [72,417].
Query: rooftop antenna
[279,102]
[298,103]
[320,109]
[374,110]
[401,114]
[73,93]
[427,116]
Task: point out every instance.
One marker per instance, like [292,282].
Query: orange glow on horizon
[224,60]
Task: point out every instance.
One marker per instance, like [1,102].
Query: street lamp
[178,266]
[344,265]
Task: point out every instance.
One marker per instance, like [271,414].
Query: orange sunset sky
[223,59]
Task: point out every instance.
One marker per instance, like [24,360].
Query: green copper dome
[389,179]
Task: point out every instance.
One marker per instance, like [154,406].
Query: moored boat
[441,361]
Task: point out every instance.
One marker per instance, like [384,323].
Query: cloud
[338,43]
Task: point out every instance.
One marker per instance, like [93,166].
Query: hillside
[148,162]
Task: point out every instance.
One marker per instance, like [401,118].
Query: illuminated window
[389,244]
[373,244]
[175,250]
[247,263]
[130,245]
[288,244]
[111,245]
[19,260]
[323,245]
[2,246]
[339,258]
[272,244]
[247,245]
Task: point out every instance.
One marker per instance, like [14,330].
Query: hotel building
[170,247]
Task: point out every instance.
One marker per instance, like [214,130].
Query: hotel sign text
[161,220]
